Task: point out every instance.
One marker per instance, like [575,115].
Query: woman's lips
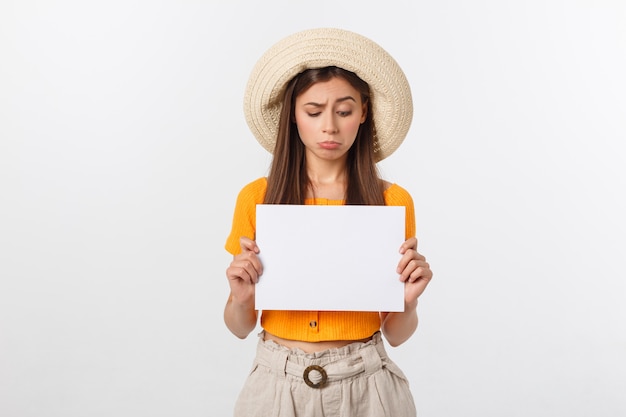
[329,145]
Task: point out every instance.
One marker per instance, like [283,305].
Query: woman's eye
[344,113]
[313,114]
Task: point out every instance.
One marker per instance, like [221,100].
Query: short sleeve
[244,217]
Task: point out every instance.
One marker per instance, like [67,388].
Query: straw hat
[318,48]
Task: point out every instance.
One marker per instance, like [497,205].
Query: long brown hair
[287,181]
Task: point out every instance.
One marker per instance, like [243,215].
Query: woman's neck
[327,179]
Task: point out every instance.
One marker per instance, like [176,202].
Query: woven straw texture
[318,48]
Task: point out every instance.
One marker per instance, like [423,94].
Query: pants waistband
[316,370]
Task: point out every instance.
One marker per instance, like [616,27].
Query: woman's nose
[330,125]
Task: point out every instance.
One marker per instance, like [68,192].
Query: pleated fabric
[361,382]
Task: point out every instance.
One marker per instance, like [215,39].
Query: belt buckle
[319,369]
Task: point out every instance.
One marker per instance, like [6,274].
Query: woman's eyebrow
[346,98]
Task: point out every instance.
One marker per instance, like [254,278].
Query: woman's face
[328,116]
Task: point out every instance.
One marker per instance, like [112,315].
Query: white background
[123,146]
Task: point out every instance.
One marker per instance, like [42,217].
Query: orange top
[311,326]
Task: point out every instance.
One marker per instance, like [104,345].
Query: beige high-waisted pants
[357,380]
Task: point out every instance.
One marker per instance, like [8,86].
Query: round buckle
[319,369]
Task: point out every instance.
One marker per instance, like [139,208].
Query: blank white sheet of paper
[334,258]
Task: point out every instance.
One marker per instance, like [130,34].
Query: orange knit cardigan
[311,326]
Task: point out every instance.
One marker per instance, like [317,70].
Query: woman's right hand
[244,272]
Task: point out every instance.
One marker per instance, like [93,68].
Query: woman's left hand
[414,271]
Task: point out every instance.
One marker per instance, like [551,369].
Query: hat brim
[391,99]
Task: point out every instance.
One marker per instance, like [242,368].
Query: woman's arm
[243,274]
[416,274]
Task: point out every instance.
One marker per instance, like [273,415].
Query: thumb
[248,245]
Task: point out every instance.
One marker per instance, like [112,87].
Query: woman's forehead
[335,89]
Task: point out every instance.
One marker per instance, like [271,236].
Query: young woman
[329,104]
